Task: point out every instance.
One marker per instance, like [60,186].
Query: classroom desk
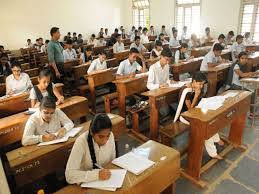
[29,163]
[205,124]
[98,79]
[150,62]
[200,51]
[127,87]
[155,180]
[226,54]
[253,61]
[69,64]
[215,75]
[121,55]
[191,66]
[11,127]
[157,98]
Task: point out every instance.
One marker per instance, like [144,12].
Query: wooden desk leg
[154,119]
[195,153]
[93,97]
[122,104]
[135,122]
[170,189]
[212,85]
[176,76]
[236,130]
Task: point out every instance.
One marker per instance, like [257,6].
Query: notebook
[134,163]
[72,133]
[116,180]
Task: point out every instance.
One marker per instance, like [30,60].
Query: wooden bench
[121,55]
[33,72]
[108,98]
[25,66]
[135,113]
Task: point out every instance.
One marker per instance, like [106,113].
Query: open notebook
[72,133]
[134,163]
[115,181]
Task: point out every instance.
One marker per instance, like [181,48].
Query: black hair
[163,26]
[100,121]
[184,45]
[242,54]
[166,52]
[101,36]
[151,26]
[144,29]
[47,41]
[1,46]
[105,29]
[69,41]
[133,50]
[74,33]
[137,38]
[117,36]
[231,33]
[158,43]
[199,77]
[161,34]
[218,47]
[53,30]
[207,28]
[28,40]
[239,37]
[69,33]
[93,35]
[79,34]
[140,28]
[116,30]
[89,48]
[136,31]
[133,27]
[103,53]
[175,31]
[221,36]
[45,73]
[3,55]
[47,102]
[40,39]
[15,64]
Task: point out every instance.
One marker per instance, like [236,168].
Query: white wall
[33,18]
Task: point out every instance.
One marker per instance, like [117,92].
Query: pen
[97,165]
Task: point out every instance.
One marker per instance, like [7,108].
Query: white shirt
[152,33]
[118,47]
[36,127]
[18,86]
[184,37]
[125,68]
[69,55]
[79,167]
[132,37]
[209,58]
[157,75]
[235,79]
[140,47]
[247,41]
[236,49]
[97,65]
[174,42]
[90,41]
[164,32]
[33,95]
[99,43]
[144,39]
[106,35]
[43,49]
[177,56]
[158,53]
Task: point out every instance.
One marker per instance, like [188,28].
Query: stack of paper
[115,181]
[134,163]
[72,133]
[141,74]
[179,84]
[212,103]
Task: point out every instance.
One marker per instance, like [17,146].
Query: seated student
[86,56]
[74,38]
[67,37]
[123,34]
[44,47]
[44,88]
[212,59]
[181,54]
[2,49]
[184,37]
[144,37]
[118,46]
[128,67]
[161,38]
[98,64]
[237,47]
[92,40]
[80,39]
[152,31]
[92,149]
[17,82]
[100,42]
[133,35]
[106,33]
[156,52]
[5,66]
[221,41]
[69,53]
[194,42]
[29,44]
[174,42]
[46,124]
[230,38]
[192,99]
[132,31]
[139,31]
[138,45]
[247,39]
[163,30]
[207,37]
[39,44]
[101,32]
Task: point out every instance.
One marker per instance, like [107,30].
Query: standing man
[55,55]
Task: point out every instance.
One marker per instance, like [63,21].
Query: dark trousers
[60,67]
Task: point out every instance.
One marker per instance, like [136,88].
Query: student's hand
[197,92]
[48,137]
[132,75]
[172,81]
[10,93]
[60,100]
[164,85]
[58,75]
[61,132]
[104,174]
[191,57]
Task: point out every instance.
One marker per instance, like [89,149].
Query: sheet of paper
[133,163]
[111,116]
[141,74]
[115,181]
[212,103]
[230,94]
[179,84]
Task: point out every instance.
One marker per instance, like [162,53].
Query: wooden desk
[2,89]
[99,49]
[98,79]
[149,46]
[253,61]
[29,163]
[205,124]
[200,51]
[186,67]
[68,65]
[11,127]
[127,87]
[155,180]
[215,75]
[150,62]
[226,54]
[158,98]
[33,72]
[121,55]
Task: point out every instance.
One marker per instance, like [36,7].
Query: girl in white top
[93,148]
[17,82]
[45,88]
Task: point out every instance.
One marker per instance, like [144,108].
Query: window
[188,14]
[141,15]
[250,18]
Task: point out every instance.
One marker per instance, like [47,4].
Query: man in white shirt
[44,47]
[92,40]
[221,40]
[163,30]
[138,45]
[132,37]
[100,42]
[237,47]
[98,64]
[46,124]
[184,37]
[207,37]
[132,31]
[174,42]
[152,31]
[118,46]
[144,37]
[212,59]
[247,39]
[106,33]
[69,53]
[29,44]
[128,67]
